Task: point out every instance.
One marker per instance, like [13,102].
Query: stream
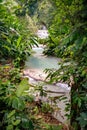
[34,70]
[40,61]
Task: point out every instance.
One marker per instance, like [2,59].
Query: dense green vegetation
[68,39]
[15,45]
[40,11]
[15,40]
[67,22]
[18,110]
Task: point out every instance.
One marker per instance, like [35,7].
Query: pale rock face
[42,34]
[63,85]
[37,77]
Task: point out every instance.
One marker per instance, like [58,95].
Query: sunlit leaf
[11,114]
[17,122]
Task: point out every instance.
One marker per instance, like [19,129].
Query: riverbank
[17,85]
[34,70]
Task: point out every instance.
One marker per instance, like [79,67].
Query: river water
[34,67]
[41,62]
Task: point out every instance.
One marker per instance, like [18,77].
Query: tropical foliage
[17,107]
[68,39]
[15,40]
[40,11]
[15,45]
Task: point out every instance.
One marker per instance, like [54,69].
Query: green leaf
[18,103]
[82,119]
[79,102]
[19,40]
[17,122]
[26,123]
[24,85]
[34,41]
[11,114]
[6,47]
[9,127]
